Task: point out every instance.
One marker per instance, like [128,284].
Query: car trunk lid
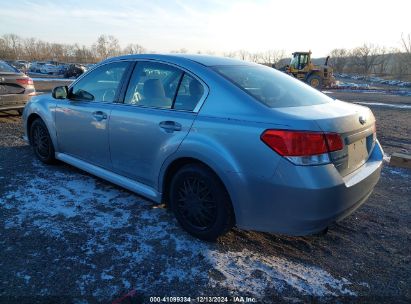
[354,123]
[8,84]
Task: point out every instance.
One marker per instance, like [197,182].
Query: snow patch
[250,272]
[386,158]
[399,171]
[58,202]
[381,104]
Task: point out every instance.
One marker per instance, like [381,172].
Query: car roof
[206,60]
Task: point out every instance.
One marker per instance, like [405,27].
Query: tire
[200,202]
[315,81]
[41,142]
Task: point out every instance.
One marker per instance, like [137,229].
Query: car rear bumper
[14,101]
[301,200]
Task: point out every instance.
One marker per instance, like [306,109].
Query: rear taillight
[303,147]
[334,142]
[25,81]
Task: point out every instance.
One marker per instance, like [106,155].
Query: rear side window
[189,93]
[273,88]
[153,85]
[5,68]
[159,85]
[100,84]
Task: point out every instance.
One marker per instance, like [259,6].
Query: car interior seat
[154,94]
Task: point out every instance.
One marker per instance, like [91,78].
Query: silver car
[16,88]
[220,141]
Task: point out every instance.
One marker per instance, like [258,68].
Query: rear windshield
[5,68]
[273,88]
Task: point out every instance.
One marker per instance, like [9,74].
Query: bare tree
[339,59]
[366,57]
[179,51]
[384,59]
[13,45]
[4,50]
[106,46]
[134,48]
[399,66]
[84,54]
[230,54]
[272,57]
[406,43]
[243,54]
[255,57]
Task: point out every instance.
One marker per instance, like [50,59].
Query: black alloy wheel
[200,202]
[41,142]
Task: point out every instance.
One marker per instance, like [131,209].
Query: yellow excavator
[317,76]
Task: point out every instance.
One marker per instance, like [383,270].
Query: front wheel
[200,202]
[315,81]
[41,142]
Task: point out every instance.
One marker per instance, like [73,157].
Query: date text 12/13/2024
[203,299]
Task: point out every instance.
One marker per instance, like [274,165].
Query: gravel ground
[68,237]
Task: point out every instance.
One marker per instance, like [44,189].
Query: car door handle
[99,115]
[170,126]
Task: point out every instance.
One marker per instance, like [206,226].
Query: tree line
[14,47]
[366,59]
[372,59]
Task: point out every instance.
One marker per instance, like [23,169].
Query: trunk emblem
[362,119]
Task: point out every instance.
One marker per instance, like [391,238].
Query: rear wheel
[200,202]
[315,81]
[41,142]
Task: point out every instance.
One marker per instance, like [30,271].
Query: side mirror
[60,92]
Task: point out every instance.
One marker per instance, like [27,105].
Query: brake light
[303,147]
[25,81]
[334,142]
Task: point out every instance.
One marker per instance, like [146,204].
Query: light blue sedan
[221,142]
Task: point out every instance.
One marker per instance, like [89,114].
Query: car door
[82,119]
[157,113]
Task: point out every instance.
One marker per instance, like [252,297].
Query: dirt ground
[68,237]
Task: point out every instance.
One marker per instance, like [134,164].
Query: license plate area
[357,153]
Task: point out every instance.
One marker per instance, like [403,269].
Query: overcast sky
[221,26]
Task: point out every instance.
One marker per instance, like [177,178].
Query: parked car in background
[221,142]
[74,70]
[89,66]
[16,88]
[21,65]
[49,69]
[62,68]
[35,66]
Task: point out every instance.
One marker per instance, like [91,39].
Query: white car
[49,69]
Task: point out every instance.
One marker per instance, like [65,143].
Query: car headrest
[153,88]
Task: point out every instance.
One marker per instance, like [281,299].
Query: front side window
[101,84]
[303,61]
[273,88]
[294,62]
